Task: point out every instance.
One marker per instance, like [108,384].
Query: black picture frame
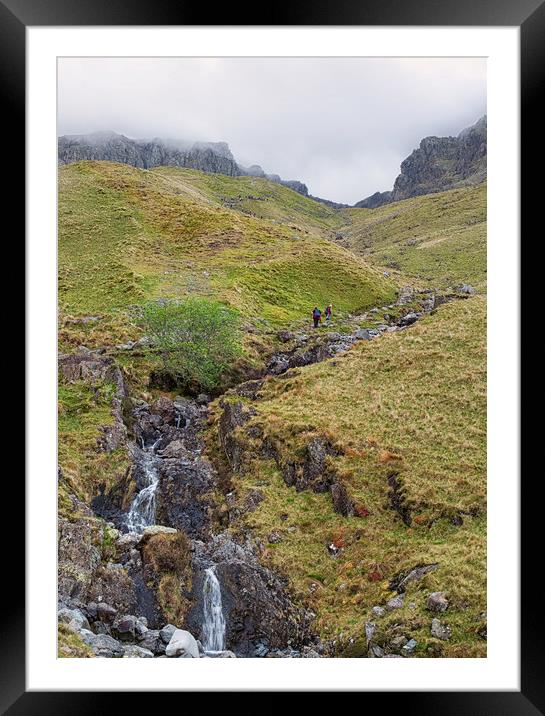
[529,15]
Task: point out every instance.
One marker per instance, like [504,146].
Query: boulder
[157,530]
[409,647]
[467,289]
[136,652]
[152,641]
[165,408]
[74,618]
[440,630]
[437,602]
[182,645]
[395,603]
[409,319]
[125,627]
[166,633]
[176,449]
[221,654]
[106,613]
[102,645]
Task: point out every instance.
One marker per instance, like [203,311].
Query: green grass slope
[127,235]
[411,404]
[256,197]
[438,239]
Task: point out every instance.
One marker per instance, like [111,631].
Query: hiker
[316,316]
[328,311]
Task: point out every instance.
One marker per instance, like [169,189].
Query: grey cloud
[341,125]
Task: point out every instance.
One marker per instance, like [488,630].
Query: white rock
[158,530]
[183,644]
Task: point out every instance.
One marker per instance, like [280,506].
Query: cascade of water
[142,510]
[213,628]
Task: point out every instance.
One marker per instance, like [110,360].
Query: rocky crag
[209,157]
[439,163]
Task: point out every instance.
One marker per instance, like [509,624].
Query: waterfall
[142,510]
[213,628]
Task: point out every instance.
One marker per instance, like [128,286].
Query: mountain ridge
[438,164]
[208,157]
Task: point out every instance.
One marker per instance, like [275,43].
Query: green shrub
[195,339]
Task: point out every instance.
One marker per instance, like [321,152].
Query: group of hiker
[317,315]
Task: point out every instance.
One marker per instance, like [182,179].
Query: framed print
[273,413]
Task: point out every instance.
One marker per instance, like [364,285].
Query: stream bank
[167,560]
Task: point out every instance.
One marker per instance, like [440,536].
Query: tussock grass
[82,410]
[439,239]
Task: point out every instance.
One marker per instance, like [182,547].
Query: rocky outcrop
[439,163]
[206,156]
[259,612]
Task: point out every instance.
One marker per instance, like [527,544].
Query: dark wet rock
[278,364]
[342,503]
[105,612]
[182,495]
[250,389]
[408,319]
[165,408]
[256,603]
[152,640]
[234,415]
[166,633]
[175,449]
[397,502]
[125,628]
[100,628]
[437,602]
[113,584]
[400,581]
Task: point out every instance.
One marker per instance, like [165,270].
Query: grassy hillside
[127,235]
[256,197]
[439,239]
[411,405]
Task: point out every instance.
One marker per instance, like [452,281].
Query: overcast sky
[342,126]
